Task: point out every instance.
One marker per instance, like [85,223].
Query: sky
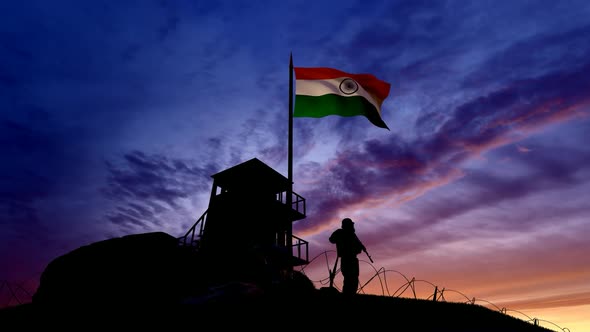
[115,114]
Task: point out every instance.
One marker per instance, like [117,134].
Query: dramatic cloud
[145,187]
[388,168]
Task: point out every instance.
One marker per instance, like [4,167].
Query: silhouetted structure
[348,246]
[243,234]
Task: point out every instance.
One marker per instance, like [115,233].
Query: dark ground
[320,311]
[146,282]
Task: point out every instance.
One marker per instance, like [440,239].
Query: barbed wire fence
[437,293]
[17,293]
[12,293]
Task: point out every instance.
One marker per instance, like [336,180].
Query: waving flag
[324,91]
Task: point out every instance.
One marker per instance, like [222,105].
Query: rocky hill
[146,282]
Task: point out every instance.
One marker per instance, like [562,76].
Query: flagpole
[290,169]
[289,239]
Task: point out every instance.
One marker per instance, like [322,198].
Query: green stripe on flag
[331,104]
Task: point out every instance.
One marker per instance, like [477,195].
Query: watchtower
[243,233]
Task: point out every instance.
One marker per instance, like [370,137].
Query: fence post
[435,291]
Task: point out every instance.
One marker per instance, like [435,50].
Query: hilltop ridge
[280,311]
[146,282]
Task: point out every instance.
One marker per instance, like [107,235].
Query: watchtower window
[219,190]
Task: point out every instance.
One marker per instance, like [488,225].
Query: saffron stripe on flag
[380,89]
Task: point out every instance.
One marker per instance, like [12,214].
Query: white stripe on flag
[330,86]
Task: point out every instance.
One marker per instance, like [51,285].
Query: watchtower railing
[297,201]
[302,247]
[192,232]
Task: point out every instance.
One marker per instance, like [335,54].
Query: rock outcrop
[145,269]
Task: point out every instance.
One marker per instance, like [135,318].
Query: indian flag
[325,91]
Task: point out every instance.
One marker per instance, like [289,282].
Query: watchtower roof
[251,174]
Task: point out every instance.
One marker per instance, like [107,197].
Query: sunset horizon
[115,116]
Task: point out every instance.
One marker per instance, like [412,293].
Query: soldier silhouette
[348,246]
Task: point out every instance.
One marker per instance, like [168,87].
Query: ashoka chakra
[348,86]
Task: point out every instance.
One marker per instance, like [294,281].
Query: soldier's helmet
[347,222]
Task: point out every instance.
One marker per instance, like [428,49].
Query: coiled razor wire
[437,295]
[12,293]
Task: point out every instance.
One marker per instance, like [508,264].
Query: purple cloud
[385,168]
[143,187]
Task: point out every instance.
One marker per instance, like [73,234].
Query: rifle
[333,272]
[365,250]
